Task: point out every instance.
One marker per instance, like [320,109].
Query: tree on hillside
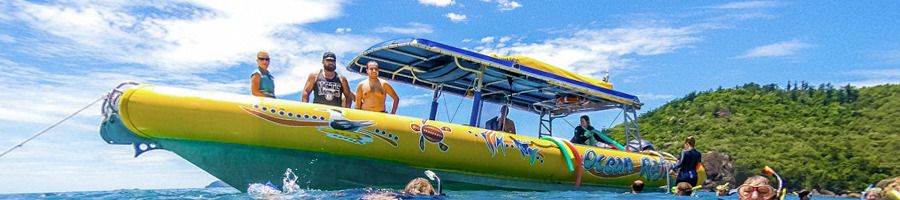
[818,137]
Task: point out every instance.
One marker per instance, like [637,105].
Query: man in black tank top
[328,87]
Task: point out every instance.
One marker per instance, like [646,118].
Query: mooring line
[52,126]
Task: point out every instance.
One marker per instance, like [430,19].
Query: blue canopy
[534,88]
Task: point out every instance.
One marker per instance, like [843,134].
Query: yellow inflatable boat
[242,139]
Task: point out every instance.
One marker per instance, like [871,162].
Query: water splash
[263,191]
[289,182]
[289,189]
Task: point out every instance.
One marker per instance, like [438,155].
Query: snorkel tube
[431,175]
[892,194]
[781,191]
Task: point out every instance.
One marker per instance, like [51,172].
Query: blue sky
[59,56]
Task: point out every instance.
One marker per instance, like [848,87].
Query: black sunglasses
[263,59]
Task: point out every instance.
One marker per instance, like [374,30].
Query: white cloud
[779,49]
[876,73]
[654,97]
[732,16]
[194,37]
[487,40]
[872,77]
[412,28]
[590,51]
[4,38]
[53,94]
[454,17]
[343,30]
[438,3]
[748,5]
[78,50]
[505,5]
[873,82]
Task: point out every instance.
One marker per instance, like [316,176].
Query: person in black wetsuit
[579,137]
[583,134]
[686,168]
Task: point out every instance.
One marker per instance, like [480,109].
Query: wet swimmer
[803,195]
[756,188]
[262,84]
[372,92]
[683,189]
[873,194]
[637,187]
[418,187]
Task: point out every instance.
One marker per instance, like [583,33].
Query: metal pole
[434,103]
[625,122]
[637,128]
[476,108]
[476,104]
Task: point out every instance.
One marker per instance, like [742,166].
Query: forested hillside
[821,137]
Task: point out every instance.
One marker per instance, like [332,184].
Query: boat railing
[110,104]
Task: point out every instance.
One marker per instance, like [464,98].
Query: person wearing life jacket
[262,84]
[328,87]
[686,168]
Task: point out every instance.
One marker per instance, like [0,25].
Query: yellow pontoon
[242,139]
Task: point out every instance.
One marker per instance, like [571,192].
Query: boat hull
[243,139]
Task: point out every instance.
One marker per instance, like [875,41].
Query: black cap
[328,55]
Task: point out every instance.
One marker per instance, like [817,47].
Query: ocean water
[360,193]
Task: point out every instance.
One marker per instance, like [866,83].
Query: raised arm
[348,95]
[390,91]
[310,81]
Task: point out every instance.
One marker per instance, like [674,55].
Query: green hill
[822,137]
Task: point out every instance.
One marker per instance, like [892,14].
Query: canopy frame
[447,69]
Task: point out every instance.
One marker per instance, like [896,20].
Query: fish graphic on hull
[338,122]
[335,125]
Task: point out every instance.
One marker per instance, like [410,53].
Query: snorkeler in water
[417,187]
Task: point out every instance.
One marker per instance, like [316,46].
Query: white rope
[52,126]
